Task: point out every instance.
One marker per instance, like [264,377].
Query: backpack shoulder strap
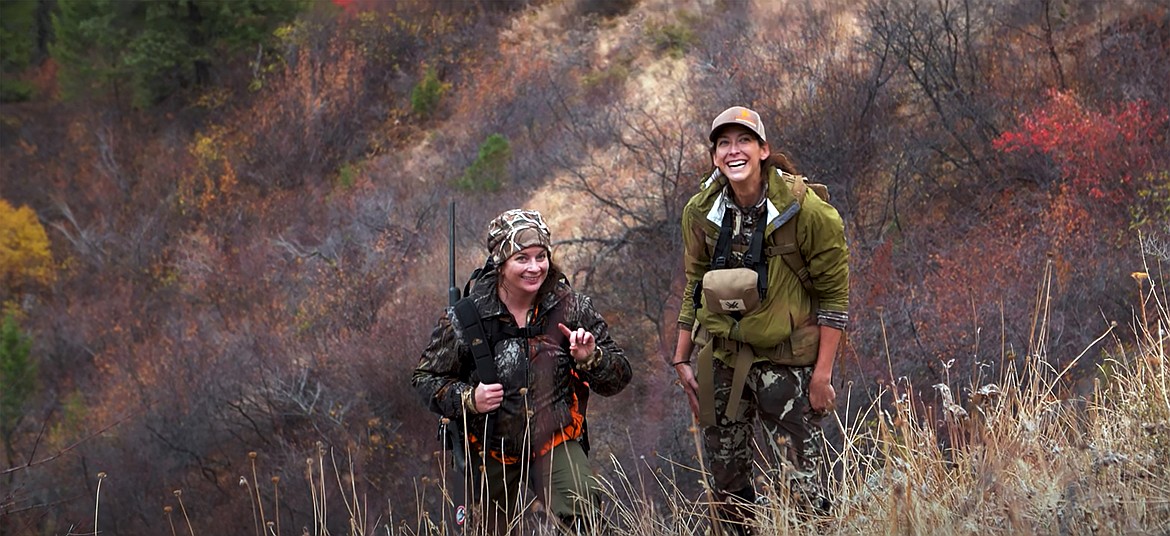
[477,340]
[798,185]
[785,245]
[821,190]
[787,248]
[722,252]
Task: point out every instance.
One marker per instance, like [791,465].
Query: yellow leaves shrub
[213,177]
[25,257]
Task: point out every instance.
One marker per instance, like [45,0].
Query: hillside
[246,266]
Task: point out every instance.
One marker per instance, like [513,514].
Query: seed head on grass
[257,500]
[179,495]
[276,501]
[170,521]
[97,500]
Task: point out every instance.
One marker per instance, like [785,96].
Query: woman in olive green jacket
[772,359]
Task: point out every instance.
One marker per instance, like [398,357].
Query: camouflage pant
[778,396]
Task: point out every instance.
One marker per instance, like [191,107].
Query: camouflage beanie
[515,230]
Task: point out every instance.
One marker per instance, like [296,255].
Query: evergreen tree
[151,48]
[17,34]
[17,383]
[18,38]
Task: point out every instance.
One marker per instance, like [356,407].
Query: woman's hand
[686,378]
[821,395]
[582,344]
[488,397]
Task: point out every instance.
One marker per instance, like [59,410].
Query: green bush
[674,38]
[15,90]
[18,376]
[346,176]
[489,170]
[427,93]
[614,76]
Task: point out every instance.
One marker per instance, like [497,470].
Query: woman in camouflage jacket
[564,349]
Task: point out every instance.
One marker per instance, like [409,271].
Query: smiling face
[738,154]
[523,273]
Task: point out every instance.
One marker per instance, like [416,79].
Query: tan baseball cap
[738,115]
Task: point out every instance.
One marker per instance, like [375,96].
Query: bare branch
[62,451]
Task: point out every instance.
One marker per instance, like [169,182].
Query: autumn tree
[1108,160]
[25,258]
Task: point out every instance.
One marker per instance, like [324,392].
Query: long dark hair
[780,161]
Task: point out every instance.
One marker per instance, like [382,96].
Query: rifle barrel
[452,291]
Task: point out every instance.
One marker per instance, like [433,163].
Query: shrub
[605,8]
[427,94]
[488,171]
[674,38]
[346,176]
[17,381]
[15,90]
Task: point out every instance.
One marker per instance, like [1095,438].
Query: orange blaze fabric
[569,432]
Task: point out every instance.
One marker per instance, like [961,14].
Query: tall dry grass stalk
[255,492]
[1020,453]
[1016,458]
[1016,454]
[183,508]
[97,500]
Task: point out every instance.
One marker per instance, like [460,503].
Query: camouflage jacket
[820,235]
[541,365]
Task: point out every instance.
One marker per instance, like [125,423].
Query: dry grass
[1014,458]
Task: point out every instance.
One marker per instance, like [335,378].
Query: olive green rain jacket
[820,236]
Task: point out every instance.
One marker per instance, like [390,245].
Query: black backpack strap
[754,258]
[481,351]
[722,254]
[477,340]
